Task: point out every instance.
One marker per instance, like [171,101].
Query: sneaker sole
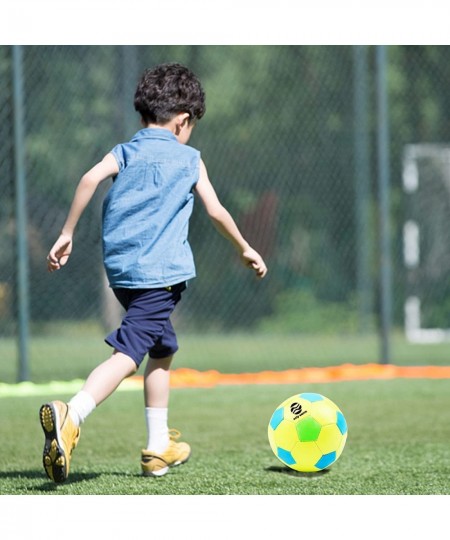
[54,457]
[165,470]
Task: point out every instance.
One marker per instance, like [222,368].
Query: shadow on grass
[47,484]
[297,474]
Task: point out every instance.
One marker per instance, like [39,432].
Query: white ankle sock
[81,406]
[157,430]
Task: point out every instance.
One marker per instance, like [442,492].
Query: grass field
[398,444]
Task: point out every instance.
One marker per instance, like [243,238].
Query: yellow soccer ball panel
[329,439]
[324,412]
[341,446]
[306,455]
[271,437]
[285,436]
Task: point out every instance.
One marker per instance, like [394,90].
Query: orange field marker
[185,377]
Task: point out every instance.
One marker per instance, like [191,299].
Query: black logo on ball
[297,410]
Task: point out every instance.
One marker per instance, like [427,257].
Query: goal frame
[414,331]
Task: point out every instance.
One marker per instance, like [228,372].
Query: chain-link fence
[290,143]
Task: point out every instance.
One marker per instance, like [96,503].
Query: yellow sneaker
[61,437]
[177,453]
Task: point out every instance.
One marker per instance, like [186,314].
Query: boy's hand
[253,259]
[60,252]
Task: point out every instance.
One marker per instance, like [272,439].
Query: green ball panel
[308,429]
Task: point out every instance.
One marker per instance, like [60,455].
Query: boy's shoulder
[152,145]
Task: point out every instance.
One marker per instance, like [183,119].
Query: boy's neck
[157,126]
[179,126]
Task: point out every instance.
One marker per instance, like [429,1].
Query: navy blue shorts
[146,327]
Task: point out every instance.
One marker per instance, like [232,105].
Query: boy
[147,260]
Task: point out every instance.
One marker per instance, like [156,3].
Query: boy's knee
[134,368]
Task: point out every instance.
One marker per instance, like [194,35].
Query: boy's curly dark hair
[166,90]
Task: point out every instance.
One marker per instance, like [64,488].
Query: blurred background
[333,160]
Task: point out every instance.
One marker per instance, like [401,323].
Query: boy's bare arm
[226,225]
[89,182]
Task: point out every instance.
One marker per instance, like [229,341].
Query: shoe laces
[174,434]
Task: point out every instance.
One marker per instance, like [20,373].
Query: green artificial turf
[398,443]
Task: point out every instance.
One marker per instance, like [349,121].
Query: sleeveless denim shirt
[146,212]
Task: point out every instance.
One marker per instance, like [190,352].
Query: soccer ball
[307,432]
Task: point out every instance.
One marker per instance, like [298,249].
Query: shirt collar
[154,133]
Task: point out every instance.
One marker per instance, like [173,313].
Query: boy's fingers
[260,269]
[256,263]
[51,266]
[262,272]
[54,262]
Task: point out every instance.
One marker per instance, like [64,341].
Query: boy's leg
[157,382]
[106,377]
[60,421]
[156,398]
[162,449]
[100,384]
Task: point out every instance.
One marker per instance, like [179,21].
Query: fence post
[130,71]
[362,185]
[383,207]
[21,215]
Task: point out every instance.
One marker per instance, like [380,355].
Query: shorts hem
[123,350]
[160,356]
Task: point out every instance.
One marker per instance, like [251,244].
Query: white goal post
[426,240]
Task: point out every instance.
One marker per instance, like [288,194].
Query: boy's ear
[181,121]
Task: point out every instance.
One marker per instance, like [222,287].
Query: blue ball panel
[326,460]
[277,418]
[285,456]
[341,423]
[311,397]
